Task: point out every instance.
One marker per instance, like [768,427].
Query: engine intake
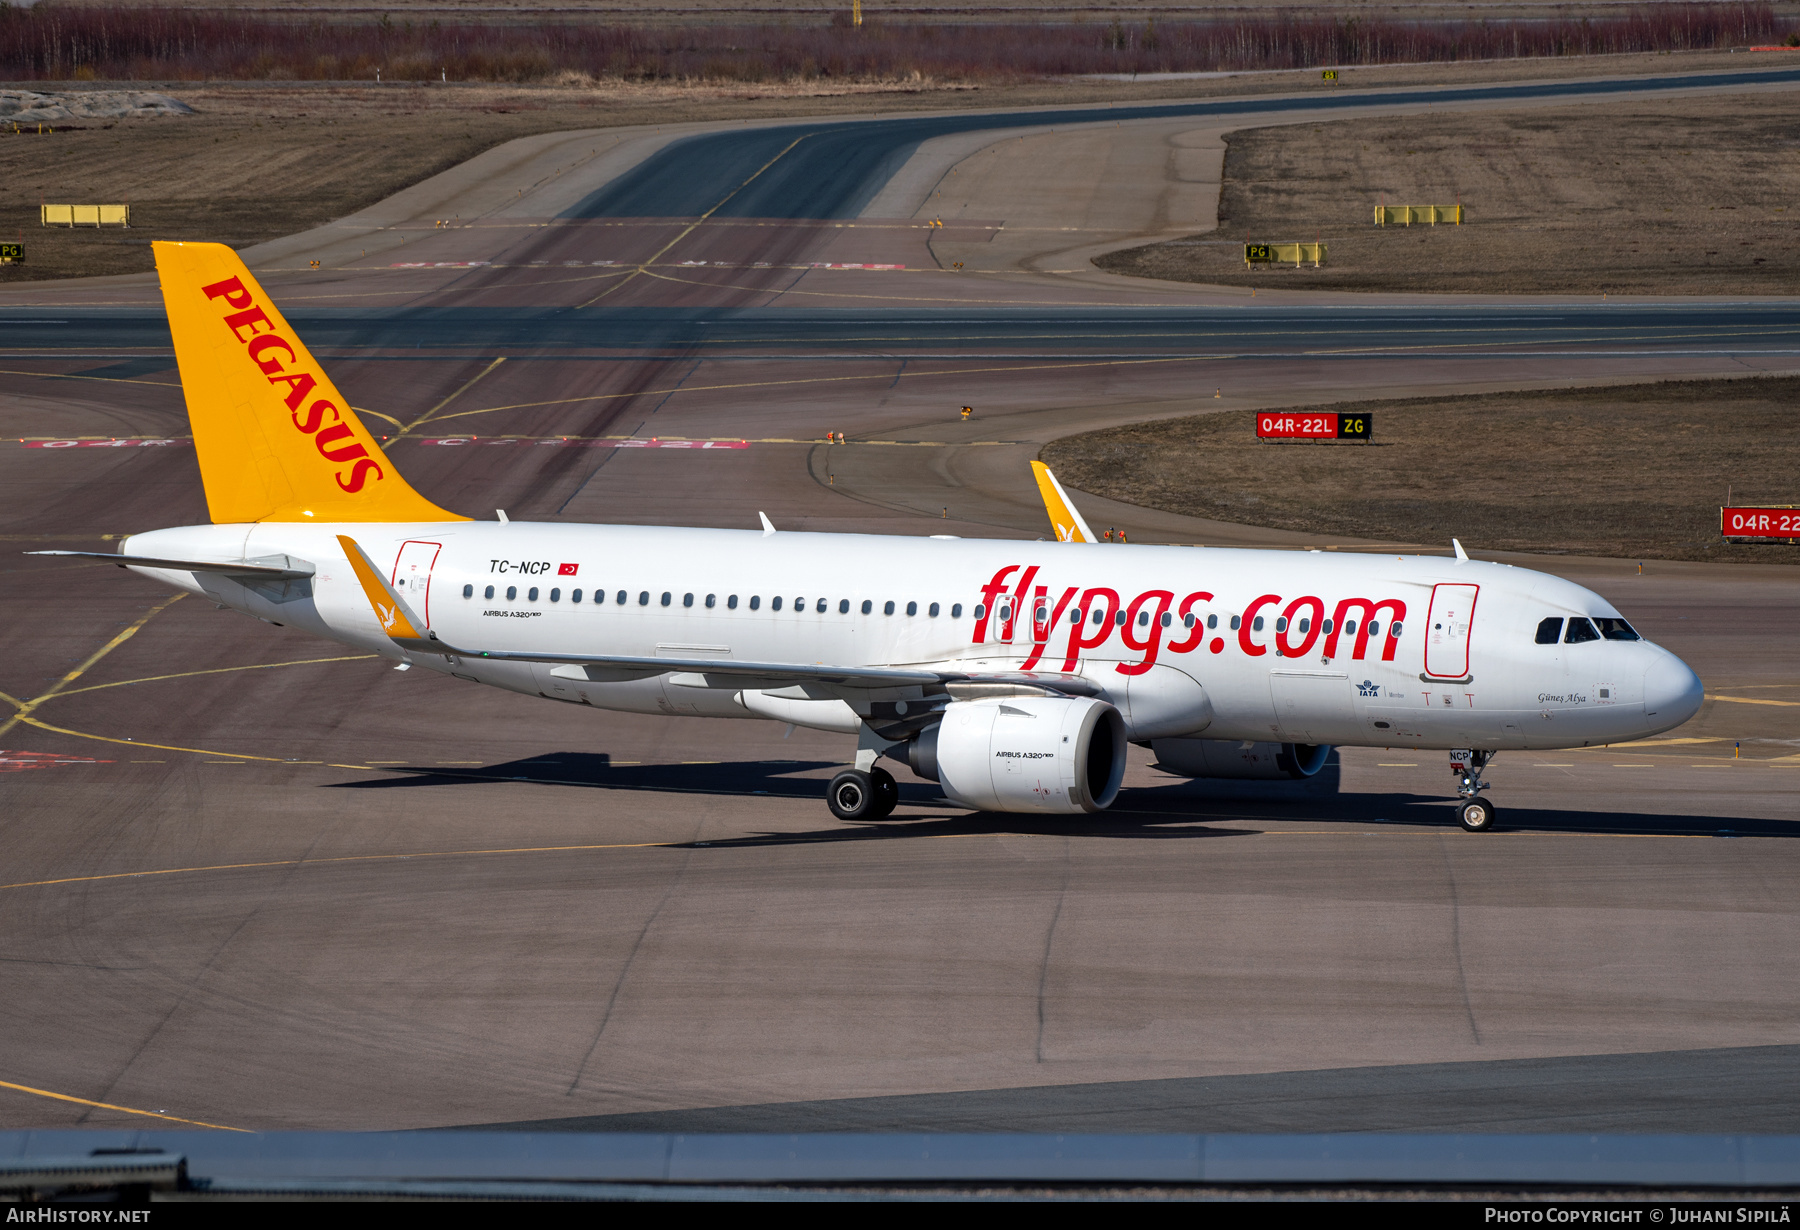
[1057,754]
[1246,760]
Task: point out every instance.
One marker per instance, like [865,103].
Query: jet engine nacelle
[1229,758]
[1025,753]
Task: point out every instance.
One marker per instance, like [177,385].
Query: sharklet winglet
[1064,518]
[403,627]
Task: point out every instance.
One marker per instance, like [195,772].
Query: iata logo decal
[1368,687]
[271,353]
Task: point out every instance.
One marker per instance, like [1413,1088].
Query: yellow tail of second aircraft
[275,439]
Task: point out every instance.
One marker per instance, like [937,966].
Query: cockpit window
[1580,630]
[1549,630]
[1616,629]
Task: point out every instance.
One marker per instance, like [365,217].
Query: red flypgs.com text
[1068,625]
[272,353]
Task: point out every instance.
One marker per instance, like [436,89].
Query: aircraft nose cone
[1672,691]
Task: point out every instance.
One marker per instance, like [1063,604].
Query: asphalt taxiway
[255,881]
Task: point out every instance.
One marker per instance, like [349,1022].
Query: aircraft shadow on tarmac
[1178,808]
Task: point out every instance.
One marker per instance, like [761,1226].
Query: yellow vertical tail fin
[275,439]
[1067,522]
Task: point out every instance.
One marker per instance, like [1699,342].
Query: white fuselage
[1304,647]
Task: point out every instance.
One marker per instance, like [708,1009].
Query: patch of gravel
[26,107]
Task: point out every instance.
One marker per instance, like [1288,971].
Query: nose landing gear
[1475,813]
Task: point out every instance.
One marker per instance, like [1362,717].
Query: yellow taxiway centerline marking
[216,670]
[154,1114]
[644,265]
[885,375]
[466,385]
[166,747]
[343,858]
[1752,700]
[24,708]
[725,842]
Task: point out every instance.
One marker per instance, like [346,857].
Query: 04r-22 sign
[1760,523]
[1287,425]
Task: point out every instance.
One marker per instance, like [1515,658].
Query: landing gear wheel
[887,793]
[853,795]
[1477,815]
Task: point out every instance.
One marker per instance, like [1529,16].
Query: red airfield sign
[1762,524]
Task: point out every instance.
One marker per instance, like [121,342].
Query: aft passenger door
[1447,630]
[412,575]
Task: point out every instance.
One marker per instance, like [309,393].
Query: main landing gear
[1475,813]
[856,794]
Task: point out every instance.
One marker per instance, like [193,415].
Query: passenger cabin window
[932,610]
[531,593]
[843,606]
[667,597]
[774,603]
[643,597]
[621,598]
[867,606]
[687,600]
[488,592]
[468,591]
[956,611]
[887,608]
[574,595]
[731,603]
[1580,631]
[711,601]
[556,595]
[1212,621]
[512,592]
[1549,630]
[1615,629]
[980,609]
[820,608]
[756,601]
[912,608]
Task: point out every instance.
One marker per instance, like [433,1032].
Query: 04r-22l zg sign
[1290,425]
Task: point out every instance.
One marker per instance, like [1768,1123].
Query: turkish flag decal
[566,570]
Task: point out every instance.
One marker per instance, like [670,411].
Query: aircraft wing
[274,568]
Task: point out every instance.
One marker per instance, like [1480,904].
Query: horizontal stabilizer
[272,567]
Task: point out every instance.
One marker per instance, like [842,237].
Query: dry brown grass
[1637,472]
[266,159]
[1668,196]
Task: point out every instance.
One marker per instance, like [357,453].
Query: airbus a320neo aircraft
[1013,674]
